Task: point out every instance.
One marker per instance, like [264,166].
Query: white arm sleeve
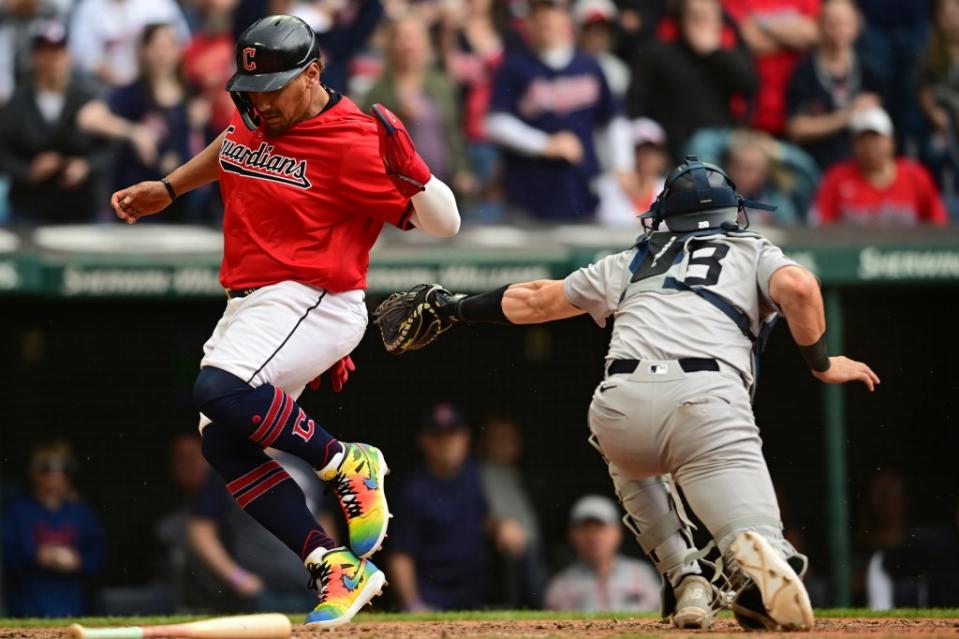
[620,145]
[434,210]
[509,131]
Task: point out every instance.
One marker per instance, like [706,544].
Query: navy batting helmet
[699,196]
[271,52]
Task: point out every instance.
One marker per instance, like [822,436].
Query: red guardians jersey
[305,205]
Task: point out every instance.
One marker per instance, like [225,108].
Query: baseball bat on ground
[267,626]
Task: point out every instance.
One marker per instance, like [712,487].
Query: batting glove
[339,373]
[404,166]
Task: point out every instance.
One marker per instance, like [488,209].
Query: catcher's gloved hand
[409,320]
[404,165]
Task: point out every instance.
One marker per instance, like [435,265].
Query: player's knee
[215,443]
[213,385]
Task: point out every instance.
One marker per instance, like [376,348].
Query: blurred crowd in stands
[535,111]
[466,535]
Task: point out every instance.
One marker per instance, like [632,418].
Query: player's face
[281,109]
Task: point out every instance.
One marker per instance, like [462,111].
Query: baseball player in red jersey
[308,181]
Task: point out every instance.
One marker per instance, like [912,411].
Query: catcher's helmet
[271,52]
[698,196]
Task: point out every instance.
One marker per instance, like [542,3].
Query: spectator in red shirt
[777,33]
[876,188]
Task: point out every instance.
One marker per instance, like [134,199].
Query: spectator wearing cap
[620,204]
[548,102]
[104,35]
[829,85]
[691,82]
[596,21]
[777,33]
[437,534]
[876,188]
[52,541]
[18,21]
[56,170]
[601,579]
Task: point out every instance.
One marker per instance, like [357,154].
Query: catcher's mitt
[409,320]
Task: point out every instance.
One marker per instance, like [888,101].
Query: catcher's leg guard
[655,515]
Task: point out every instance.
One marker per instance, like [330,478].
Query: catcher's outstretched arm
[537,302]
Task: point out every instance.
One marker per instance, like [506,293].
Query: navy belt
[234,293]
[688,364]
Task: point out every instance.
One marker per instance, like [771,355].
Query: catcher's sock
[262,488]
[266,415]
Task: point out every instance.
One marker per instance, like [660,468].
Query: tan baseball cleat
[695,598]
[776,598]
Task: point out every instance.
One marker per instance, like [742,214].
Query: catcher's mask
[699,196]
[270,53]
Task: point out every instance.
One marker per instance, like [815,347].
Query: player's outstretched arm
[796,292]
[537,302]
[409,320]
[152,196]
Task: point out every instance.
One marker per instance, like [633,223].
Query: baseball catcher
[693,300]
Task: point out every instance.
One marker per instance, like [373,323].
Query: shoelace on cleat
[347,496]
[319,578]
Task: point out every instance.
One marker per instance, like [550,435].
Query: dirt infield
[541,629]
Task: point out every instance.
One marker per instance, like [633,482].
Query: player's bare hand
[564,145]
[140,200]
[842,370]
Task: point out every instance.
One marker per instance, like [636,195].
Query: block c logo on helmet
[248,63]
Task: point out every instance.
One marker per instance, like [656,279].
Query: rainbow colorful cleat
[344,583]
[358,484]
